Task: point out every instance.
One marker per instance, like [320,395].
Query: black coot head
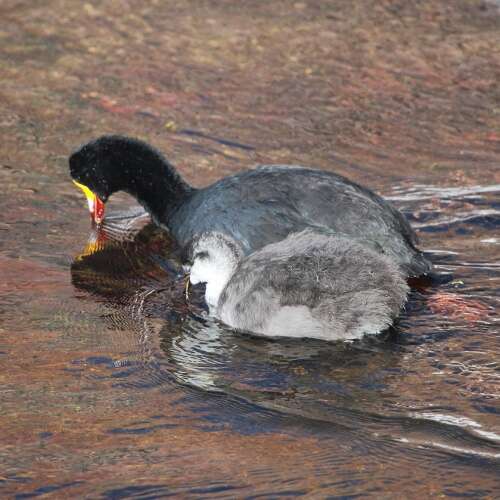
[99,165]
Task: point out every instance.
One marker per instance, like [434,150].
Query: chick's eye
[200,255]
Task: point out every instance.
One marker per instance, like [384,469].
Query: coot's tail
[418,265]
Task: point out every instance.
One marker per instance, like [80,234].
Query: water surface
[113,385]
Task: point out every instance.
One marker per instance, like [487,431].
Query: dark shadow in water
[224,142]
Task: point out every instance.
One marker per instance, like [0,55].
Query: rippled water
[415,408]
[112,384]
[422,398]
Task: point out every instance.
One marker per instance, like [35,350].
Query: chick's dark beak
[187,282]
[96,205]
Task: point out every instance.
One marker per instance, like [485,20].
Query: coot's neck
[154,182]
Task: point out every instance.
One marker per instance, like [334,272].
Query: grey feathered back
[314,285]
[265,205]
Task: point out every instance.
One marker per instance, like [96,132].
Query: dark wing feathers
[265,205]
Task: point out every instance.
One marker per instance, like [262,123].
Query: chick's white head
[214,260]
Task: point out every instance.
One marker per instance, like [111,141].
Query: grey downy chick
[310,284]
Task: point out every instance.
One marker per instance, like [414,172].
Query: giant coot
[254,208]
[311,284]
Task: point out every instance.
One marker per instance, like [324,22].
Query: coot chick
[255,208]
[310,284]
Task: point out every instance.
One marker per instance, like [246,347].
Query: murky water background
[111,385]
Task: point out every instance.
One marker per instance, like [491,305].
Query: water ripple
[393,395]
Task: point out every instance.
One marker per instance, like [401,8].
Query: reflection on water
[426,387]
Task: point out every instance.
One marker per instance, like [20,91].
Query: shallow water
[113,385]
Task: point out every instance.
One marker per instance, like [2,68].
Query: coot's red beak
[96,206]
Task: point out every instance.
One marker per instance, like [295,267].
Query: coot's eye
[200,255]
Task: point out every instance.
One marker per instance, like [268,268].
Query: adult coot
[310,284]
[255,208]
